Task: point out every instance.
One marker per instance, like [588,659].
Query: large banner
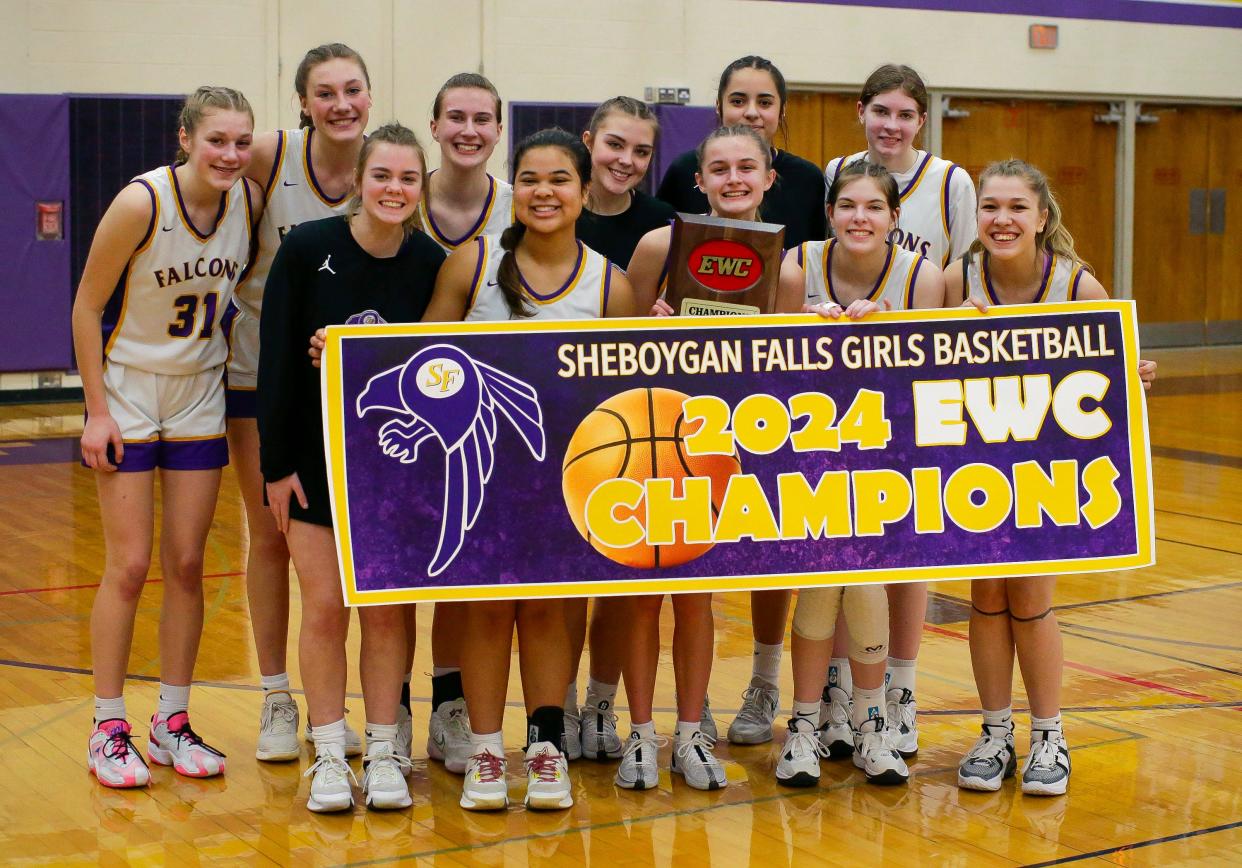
[544,459]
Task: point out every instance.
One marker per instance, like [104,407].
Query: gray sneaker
[753,724]
[1047,768]
[707,723]
[639,769]
[278,728]
[600,740]
[989,762]
[693,760]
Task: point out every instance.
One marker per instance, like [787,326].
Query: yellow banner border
[332,393]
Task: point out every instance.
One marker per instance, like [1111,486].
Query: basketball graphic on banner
[639,435]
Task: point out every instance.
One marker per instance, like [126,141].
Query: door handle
[1216,211]
[1198,210]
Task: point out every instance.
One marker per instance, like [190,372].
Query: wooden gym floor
[1153,691]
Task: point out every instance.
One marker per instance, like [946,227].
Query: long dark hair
[321,54]
[507,275]
[753,61]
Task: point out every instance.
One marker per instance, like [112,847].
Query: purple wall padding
[34,275]
[682,127]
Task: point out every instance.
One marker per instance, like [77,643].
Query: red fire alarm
[49,221]
[1043,36]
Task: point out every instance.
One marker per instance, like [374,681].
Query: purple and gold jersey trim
[480,269]
[185,216]
[876,290]
[309,168]
[945,219]
[277,162]
[424,209]
[1074,279]
[1050,264]
[565,289]
[605,288]
[919,174]
[118,302]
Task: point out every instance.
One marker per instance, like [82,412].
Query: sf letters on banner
[547,459]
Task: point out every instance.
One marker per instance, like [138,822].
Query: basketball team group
[197,327]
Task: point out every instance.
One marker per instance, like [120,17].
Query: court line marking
[1092,670]
[1226,586]
[815,792]
[517,703]
[1181,836]
[1148,651]
[149,581]
[1196,515]
[1162,639]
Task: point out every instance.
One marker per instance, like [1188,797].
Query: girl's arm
[646,266]
[126,226]
[620,295]
[262,158]
[450,299]
[929,286]
[954,284]
[791,285]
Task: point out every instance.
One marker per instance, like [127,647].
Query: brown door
[822,126]
[1170,226]
[1223,287]
[1077,153]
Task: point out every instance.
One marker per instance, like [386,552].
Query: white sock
[685,729]
[329,733]
[377,732]
[437,671]
[1042,725]
[808,711]
[1002,719]
[274,682]
[644,730]
[173,698]
[839,674]
[109,709]
[766,663]
[600,694]
[492,742]
[571,697]
[867,704]
[900,674]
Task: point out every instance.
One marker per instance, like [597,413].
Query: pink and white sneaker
[113,758]
[174,744]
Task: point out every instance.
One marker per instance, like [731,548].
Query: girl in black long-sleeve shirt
[327,271]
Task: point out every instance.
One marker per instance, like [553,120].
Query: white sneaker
[404,745]
[875,755]
[707,723]
[693,759]
[901,719]
[600,740]
[798,765]
[835,732]
[753,724]
[1046,771]
[639,769]
[384,782]
[330,778]
[173,743]
[448,735]
[353,741]
[547,778]
[989,762]
[278,728]
[573,735]
[484,787]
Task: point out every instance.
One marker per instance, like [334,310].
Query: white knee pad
[866,614]
[815,616]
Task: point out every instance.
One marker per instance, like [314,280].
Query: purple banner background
[524,533]
[1140,11]
[34,275]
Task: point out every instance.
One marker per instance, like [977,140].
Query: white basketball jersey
[293,196]
[495,217]
[937,217]
[895,283]
[583,296]
[1059,283]
[165,314]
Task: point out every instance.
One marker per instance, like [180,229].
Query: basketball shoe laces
[287,713]
[119,746]
[757,705]
[545,766]
[184,733]
[1045,754]
[491,767]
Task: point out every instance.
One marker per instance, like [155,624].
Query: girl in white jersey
[146,329]
[937,208]
[461,203]
[735,170]
[307,174]
[536,268]
[1024,254]
[857,271]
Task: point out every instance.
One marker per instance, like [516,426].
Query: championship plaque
[723,267]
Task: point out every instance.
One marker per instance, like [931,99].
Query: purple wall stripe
[1140,11]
